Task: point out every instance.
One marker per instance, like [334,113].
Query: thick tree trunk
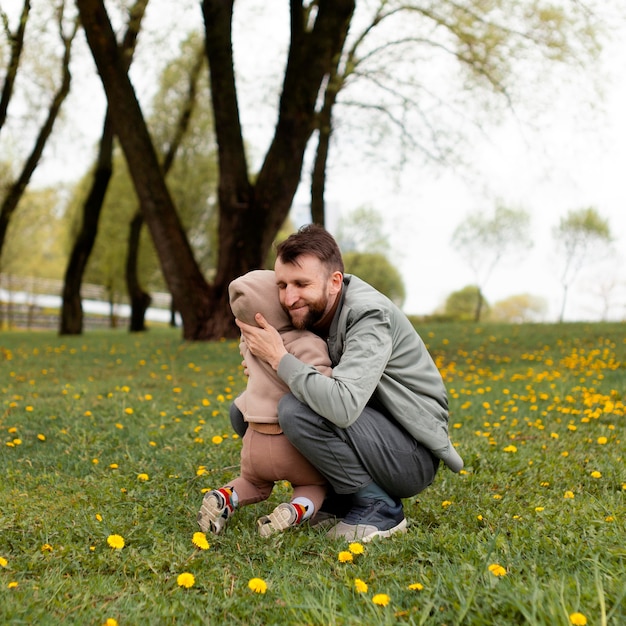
[139,299]
[250,216]
[191,293]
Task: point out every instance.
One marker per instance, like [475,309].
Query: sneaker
[368,519]
[334,508]
[283,516]
[215,511]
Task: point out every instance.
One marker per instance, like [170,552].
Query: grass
[116,434]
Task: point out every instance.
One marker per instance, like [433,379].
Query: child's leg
[218,505]
[309,488]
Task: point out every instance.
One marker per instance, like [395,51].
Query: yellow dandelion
[381,599]
[116,542]
[148,396]
[12,585]
[217,440]
[95,461]
[99,517]
[41,437]
[143,477]
[356,548]
[446,503]
[128,410]
[360,586]
[113,466]
[609,518]
[3,562]
[416,586]
[596,474]
[497,570]
[199,540]
[201,471]
[568,495]
[110,621]
[602,440]
[46,547]
[510,448]
[120,426]
[345,557]
[538,509]
[258,585]
[186,580]
[577,619]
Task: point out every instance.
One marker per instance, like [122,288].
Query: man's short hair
[315,240]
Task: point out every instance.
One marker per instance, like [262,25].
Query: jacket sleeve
[342,398]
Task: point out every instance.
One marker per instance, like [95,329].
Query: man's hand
[263,341]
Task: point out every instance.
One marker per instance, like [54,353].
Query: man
[378,426]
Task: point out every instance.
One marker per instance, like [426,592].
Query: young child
[267,455]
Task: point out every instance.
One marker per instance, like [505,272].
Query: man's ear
[336,280]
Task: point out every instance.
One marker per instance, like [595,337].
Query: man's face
[306,291]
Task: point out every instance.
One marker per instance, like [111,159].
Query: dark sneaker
[283,516]
[368,519]
[215,511]
[334,508]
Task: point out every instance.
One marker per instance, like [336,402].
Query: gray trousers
[372,449]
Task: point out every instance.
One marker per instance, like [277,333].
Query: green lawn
[117,434]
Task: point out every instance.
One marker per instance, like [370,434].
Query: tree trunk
[71,322]
[139,299]
[17,45]
[250,215]
[191,293]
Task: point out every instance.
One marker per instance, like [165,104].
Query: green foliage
[375,269]
[535,411]
[37,236]
[461,305]
[365,249]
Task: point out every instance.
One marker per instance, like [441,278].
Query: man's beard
[314,314]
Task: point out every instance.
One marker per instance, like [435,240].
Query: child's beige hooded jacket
[256,292]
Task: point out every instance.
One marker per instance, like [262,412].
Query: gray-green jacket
[378,358]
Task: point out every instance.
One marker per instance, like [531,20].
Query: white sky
[578,160]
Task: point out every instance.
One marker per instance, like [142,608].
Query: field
[111,439]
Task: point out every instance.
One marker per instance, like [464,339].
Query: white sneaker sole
[363,532]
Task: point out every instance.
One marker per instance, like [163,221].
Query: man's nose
[291,295]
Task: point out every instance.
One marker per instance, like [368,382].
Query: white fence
[30,302]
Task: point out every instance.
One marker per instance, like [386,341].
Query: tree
[250,213]
[15,190]
[519,309]
[252,207]
[384,88]
[71,318]
[579,235]
[461,305]
[376,269]
[365,247]
[483,241]
[362,230]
